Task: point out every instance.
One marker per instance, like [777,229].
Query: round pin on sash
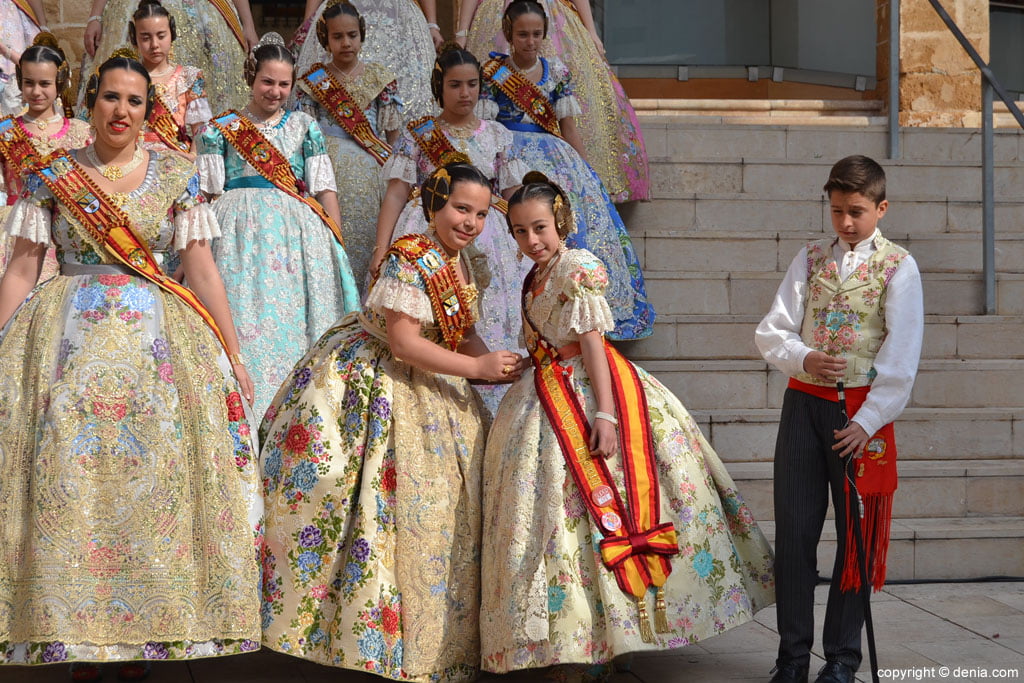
[611,521]
[602,495]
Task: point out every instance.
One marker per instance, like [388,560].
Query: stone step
[688,137]
[674,250]
[701,292]
[676,178]
[927,488]
[743,384]
[747,212]
[933,434]
[721,337]
[940,548]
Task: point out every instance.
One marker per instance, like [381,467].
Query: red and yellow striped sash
[227,11]
[25,7]
[343,108]
[111,227]
[162,123]
[524,93]
[15,146]
[268,161]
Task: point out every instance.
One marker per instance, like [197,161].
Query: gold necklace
[464,131]
[524,72]
[541,279]
[110,171]
[42,123]
[453,261]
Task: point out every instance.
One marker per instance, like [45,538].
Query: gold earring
[519,256]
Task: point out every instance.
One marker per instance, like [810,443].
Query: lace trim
[402,167]
[320,174]
[198,223]
[567,106]
[211,173]
[394,295]
[29,221]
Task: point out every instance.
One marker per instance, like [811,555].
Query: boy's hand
[824,367]
[850,440]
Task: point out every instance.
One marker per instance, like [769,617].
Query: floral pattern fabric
[607,122]
[287,278]
[128,480]
[547,597]
[360,182]
[599,228]
[372,482]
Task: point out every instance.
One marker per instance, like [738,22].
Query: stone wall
[939,84]
[67,21]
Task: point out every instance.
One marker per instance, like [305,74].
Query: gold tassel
[660,612]
[645,622]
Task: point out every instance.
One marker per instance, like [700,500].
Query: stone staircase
[733,202]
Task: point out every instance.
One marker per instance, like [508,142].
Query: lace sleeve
[584,281]
[400,288]
[402,163]
[193,218]
[29,219]
[563,95]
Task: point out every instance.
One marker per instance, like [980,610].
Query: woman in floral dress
[372,464]
[458,132]
[607,122]
[212,37]
[372,90]
[559,545]
[557,150]
[128,483]
[44,76]
[285,271]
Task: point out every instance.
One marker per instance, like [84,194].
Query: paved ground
[953,632]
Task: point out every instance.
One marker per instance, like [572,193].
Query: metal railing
[989,84]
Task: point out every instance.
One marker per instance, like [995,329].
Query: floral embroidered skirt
[128,485]
[372,486]
[547,597]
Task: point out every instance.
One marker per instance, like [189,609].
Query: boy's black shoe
[789,672]
[835,672]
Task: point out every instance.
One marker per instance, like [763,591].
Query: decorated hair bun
[448,46]
[49,40]
[124,52]
[535,177]
[270,38]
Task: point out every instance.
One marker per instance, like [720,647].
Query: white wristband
[599,415]
[433,26]
[461,34]
[97,18]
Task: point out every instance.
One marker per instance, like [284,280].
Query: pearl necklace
[524,72]
[168,69]
[110,171]
[345,75]
[269,122]
[42,123]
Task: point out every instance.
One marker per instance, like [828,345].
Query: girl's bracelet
[599,415]
[461,34]
[433,26]
[96,17]
[235,359]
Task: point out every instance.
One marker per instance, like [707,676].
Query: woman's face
[343,40]
[527,38]
[272,87]
[534,229]
[461,220]
[120,108]
[153,39]
[39,87]
[460,89]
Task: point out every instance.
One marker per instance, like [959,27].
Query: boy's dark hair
[858,173]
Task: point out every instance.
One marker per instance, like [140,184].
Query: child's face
[854,216]
[533,227]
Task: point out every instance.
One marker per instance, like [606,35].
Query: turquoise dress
[287,278]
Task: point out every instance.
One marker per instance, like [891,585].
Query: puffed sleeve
[197,108]
[401,288]
[511,169]
[585,309]
[319,173]
[563,96]
[402,162]
[31,216]
[211,146]
[389,111]
[193,217]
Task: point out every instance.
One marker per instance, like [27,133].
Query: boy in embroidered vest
[849,310]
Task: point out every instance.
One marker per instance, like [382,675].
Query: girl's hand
[244,382]
[597,42]
[436,36]
[500,366]
[604,438]
[93,33]
[376,258]
[249,33]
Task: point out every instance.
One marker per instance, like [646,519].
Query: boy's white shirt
[778,335]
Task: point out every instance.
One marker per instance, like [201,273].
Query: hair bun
[448,46]
[143,3]
[47,39]
[270,38]
[125,52]
[536,177]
